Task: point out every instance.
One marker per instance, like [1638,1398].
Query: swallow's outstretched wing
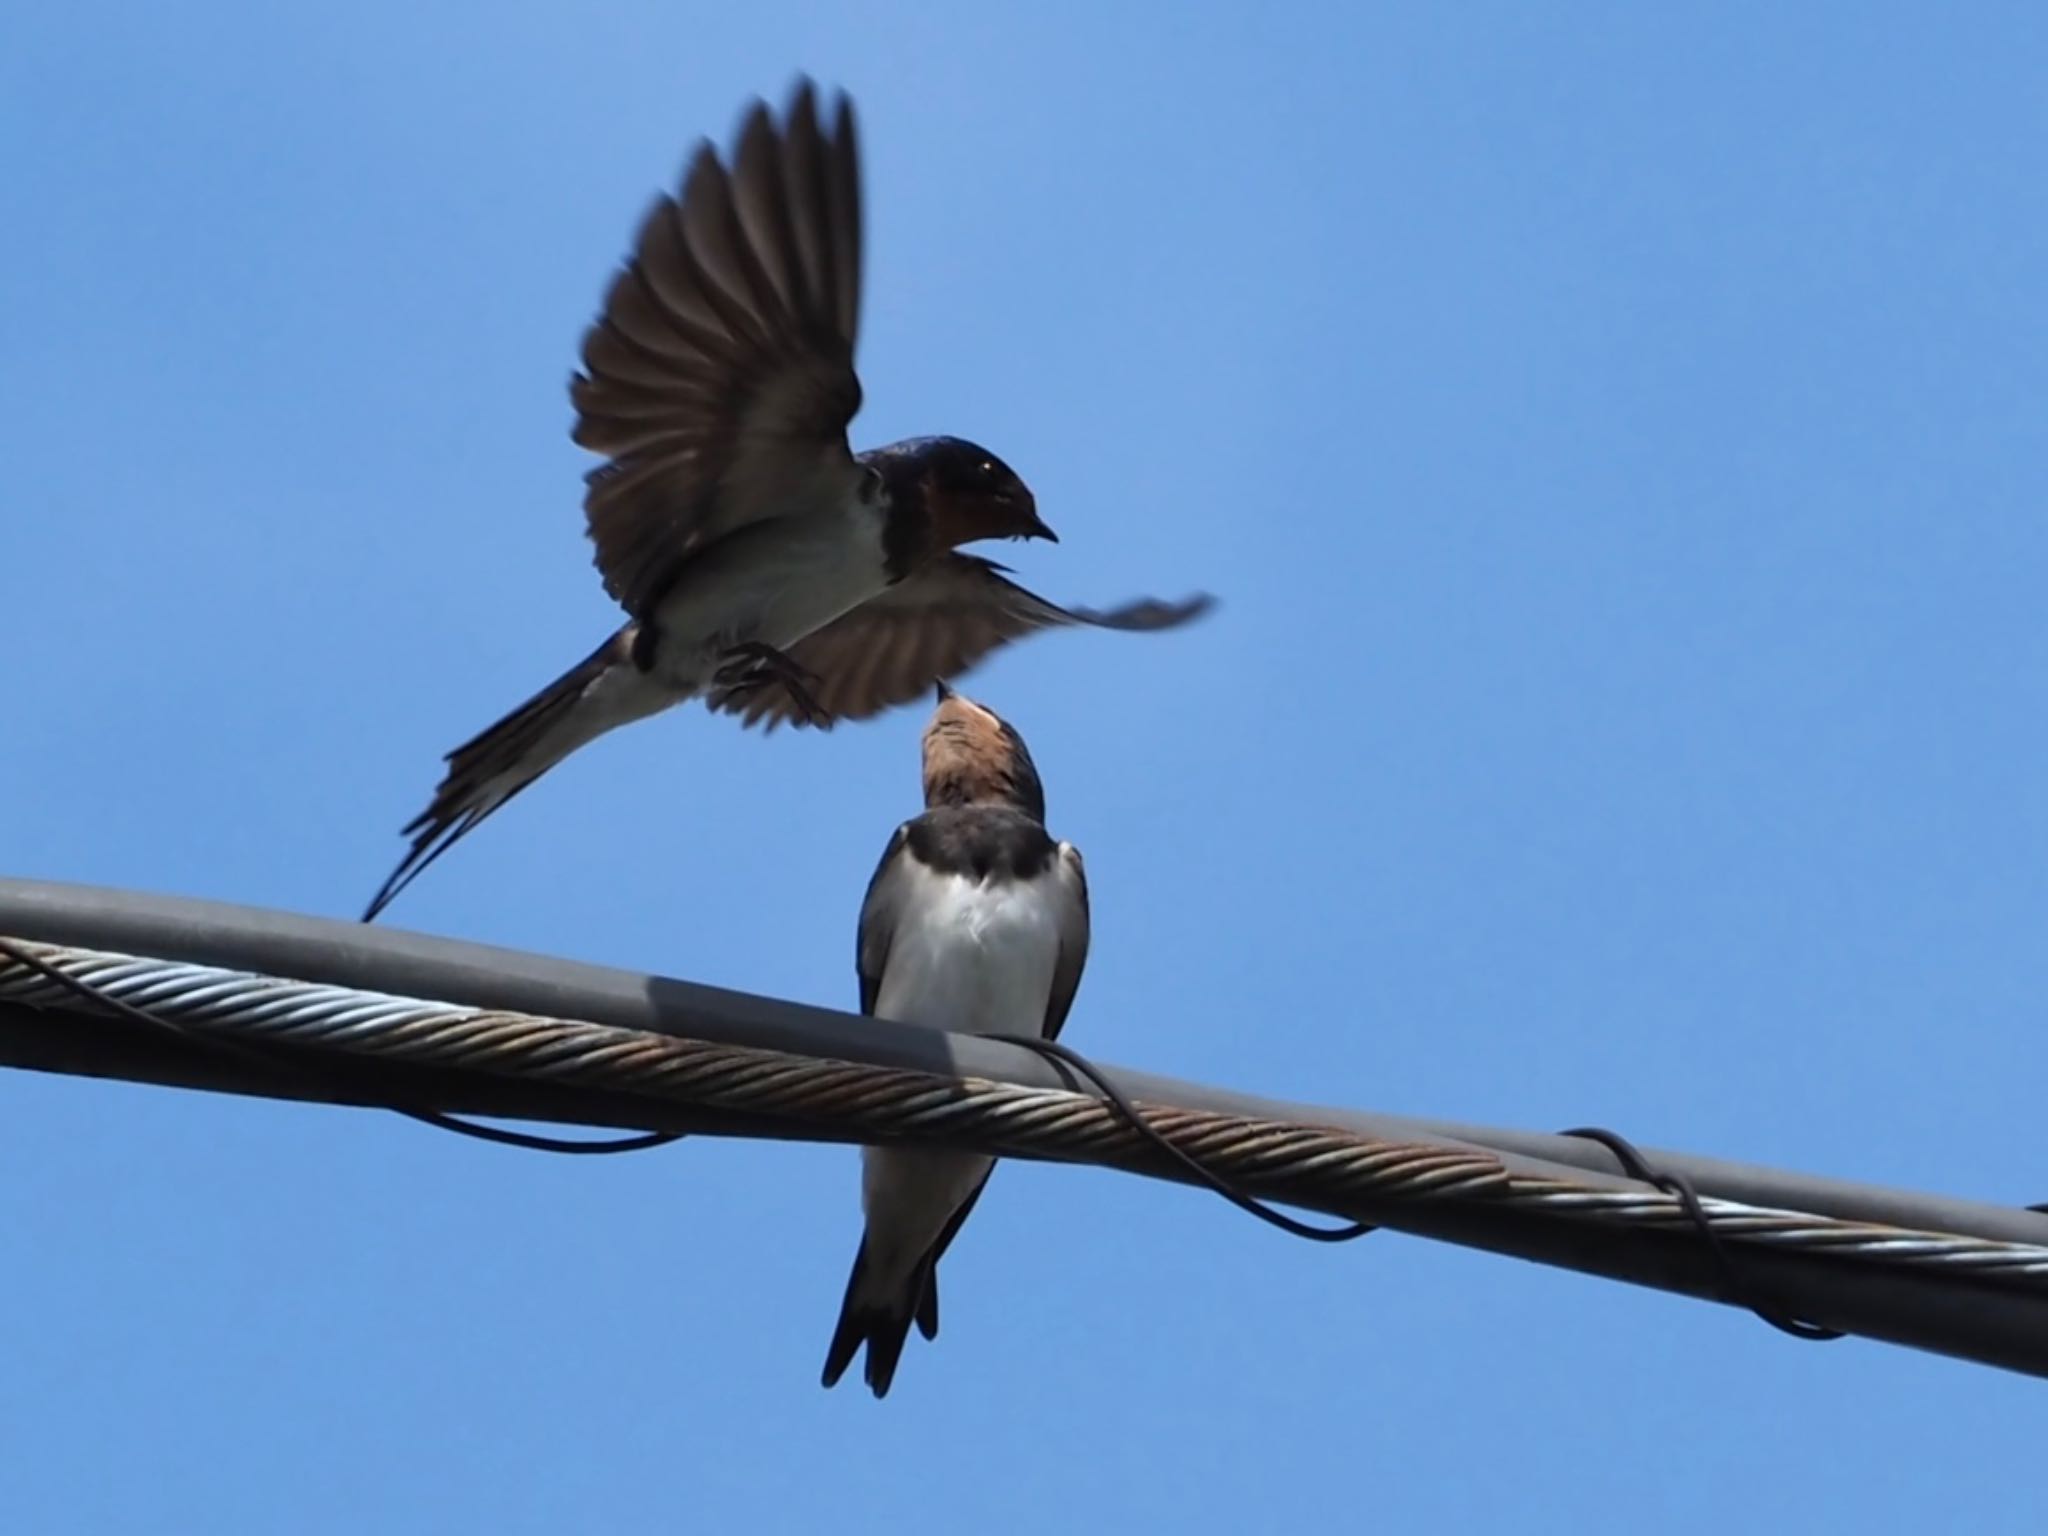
[934,624]
[719,380]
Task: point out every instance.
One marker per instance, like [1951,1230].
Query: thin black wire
[1733,1288]
[270,1062]
[1053,1051]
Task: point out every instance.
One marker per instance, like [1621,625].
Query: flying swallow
[763,565]
[976,920]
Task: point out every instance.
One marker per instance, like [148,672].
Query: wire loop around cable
[1734,1289]
[1053,1051]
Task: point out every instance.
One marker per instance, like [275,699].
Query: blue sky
[1616,434]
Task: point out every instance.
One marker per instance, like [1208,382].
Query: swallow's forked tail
[883,1298]
[879,1315]
[598,694]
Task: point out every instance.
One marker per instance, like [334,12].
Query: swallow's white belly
[968,957]
[974,957]
[772,583]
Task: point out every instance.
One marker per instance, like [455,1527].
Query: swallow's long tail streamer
[598,694]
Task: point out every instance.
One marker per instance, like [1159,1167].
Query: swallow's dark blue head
[958,491]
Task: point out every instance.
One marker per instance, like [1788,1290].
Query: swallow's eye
[988,471]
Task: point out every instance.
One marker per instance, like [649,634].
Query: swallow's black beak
[1025,506]
[941,691]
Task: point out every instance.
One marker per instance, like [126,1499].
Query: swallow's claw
[754,666]
[754,659]
[808,709]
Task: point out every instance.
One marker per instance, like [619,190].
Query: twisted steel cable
[1325,1168]
[864,1102]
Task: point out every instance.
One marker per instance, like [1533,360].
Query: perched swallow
[976,920]
[763,565]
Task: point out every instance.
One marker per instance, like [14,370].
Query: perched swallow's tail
[603,691]
[880,1318]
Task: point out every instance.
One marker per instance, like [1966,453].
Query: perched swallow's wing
[1072,877]
[719,380]
[934,624]
[878,915]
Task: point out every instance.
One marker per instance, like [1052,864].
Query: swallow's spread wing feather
[935,623]
[719,380]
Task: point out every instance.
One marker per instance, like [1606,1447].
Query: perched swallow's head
[972,756]
[968,493]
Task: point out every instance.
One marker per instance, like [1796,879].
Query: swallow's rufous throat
[763,565]
[976,920]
